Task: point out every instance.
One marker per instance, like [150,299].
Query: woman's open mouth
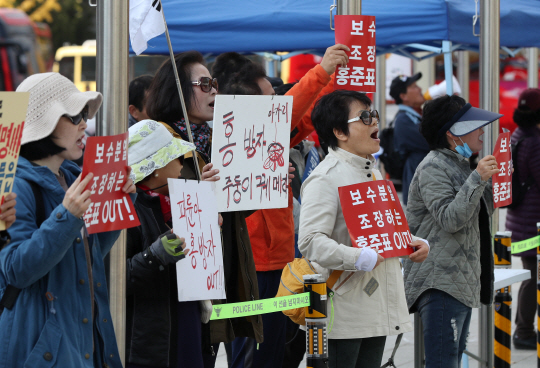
[211,104]
[374,136]
[80,143]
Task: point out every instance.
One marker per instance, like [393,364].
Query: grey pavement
[405,355]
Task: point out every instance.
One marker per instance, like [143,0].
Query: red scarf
[164,200]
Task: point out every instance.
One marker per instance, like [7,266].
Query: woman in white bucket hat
[59,316]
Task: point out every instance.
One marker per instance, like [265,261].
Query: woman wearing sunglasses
[369,301]
[163,105]
[54,270]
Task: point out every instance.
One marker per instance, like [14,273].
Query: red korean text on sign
[358,33]
[502,182]
[375,218]
[111,209]
[10,143]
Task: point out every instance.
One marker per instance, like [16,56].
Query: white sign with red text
[195,218]
[250,147]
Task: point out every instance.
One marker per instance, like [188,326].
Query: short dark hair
[284,88]
[244,81]
[526,118]
[435,114]
[137,90]
[40,149]
[162,100]
[226,65]
[332,112]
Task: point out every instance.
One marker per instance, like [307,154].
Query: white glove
[367,260]
[206,310]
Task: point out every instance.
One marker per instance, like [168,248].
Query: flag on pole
[145,22]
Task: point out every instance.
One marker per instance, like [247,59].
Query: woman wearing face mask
[163,105]
[449,205]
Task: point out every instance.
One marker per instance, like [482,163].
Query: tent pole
[448,67]
[489,100]
[463,71]
[112,81]
[349,7]
[379,102]
[532,67]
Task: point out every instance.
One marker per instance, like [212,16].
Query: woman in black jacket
[161,332]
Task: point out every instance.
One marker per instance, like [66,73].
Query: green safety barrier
[524,245]
[234,310]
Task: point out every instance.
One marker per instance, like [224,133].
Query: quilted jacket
[444,207]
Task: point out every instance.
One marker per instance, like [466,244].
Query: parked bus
[78,64]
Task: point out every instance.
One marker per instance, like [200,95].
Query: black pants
[356,353]
[526,308]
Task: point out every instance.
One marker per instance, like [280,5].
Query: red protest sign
[111,209]
[502,182]
[358,33]
[375,218]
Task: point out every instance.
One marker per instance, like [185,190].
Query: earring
[156,175]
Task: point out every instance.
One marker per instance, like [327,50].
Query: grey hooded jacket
[444,207]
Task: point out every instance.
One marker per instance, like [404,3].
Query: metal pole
[532,68]
[112,81]
[349,7]
[448,67]
[463,71]
[379,100]
[489,100]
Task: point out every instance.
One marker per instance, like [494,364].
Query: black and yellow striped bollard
[316,322]
[503,304]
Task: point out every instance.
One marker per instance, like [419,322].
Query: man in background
[137,94]
[407,138]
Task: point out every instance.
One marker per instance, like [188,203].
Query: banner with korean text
[13,106]
[250,147]
[358,33]
[502,182]
[111,209]
[375,218]
[195,218]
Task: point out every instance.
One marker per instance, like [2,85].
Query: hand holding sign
[8,209]
[334,56]
[77,199]
[487,167]
[110,207]
[375,219]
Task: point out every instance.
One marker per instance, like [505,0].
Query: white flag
[145,22]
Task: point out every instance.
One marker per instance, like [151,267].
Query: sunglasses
[366,117]
[83,115]
[206,84]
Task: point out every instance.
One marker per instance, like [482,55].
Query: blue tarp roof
[216,26]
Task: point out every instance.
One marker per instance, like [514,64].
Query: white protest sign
[250,147]
[195,218]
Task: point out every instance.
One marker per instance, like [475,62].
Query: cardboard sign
[195,218]
[358,33]
[250,147]
[13,106]
[111,209]
[375,218]
[502,182]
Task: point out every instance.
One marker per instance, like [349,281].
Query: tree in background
[71,21]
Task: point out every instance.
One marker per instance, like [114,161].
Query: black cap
[400,83]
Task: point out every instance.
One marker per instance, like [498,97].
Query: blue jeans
[446,328]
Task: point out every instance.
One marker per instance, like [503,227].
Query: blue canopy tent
[216,26]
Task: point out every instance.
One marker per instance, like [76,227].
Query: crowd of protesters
[54,308]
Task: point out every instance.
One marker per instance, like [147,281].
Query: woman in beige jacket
[363,317]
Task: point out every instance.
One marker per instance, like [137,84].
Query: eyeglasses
[366,117]
[206,84]
[83,115]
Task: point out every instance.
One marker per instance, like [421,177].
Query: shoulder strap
[332,279]
[40,206]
